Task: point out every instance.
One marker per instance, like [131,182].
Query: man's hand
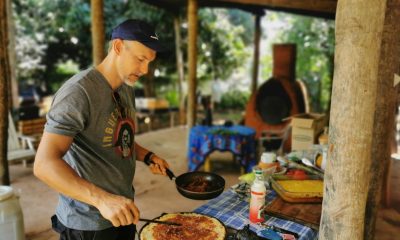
[159,166]
[120,211]
[53,170]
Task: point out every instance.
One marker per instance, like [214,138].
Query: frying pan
[215,184]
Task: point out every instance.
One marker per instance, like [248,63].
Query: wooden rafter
[316,8]
[323,6]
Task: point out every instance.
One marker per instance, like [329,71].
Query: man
[87,152]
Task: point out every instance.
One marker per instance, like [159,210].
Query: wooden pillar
[98,34]
[179,66]
[256,55]
[4,82]
[149,88]
[192,58]
[385,110]
[13,101]
[359,66]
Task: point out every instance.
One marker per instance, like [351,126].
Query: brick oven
[276,100]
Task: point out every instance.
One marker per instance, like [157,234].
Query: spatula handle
[160,222]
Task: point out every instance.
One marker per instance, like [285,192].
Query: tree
[315,48]
[314,38]
[52,32]
[222,44]
[4,81]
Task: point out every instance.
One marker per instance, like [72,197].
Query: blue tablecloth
[239,140]
[234,212]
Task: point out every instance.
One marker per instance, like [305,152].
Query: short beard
[129,83]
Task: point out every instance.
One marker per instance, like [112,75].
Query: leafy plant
[52,32]
[222,44]
[315,48]
[234,99]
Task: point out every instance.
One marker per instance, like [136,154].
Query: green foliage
[234,99]
[222,44]
[61,73]
[222,131]
[314,38]
[315,47]
[30,42]
[50,33]
[59,29]
[246,21]
[172,97]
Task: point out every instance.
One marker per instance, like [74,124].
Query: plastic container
[257,199]
[291,199]
[11,218]
[268,164]
[268,157]
[298,196]
[268,160]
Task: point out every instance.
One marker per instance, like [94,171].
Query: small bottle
[268,160]
[257,199]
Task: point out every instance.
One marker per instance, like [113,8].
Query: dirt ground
[157,194]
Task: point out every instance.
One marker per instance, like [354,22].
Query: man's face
[134,61]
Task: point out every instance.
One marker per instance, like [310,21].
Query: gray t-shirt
[102,151]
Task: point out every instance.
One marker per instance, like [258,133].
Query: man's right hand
[120,211]
[54,171]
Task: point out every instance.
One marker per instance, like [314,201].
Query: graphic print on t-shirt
[119,133]
[123,137]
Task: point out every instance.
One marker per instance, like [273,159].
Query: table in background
[239,140]
[233,211]
[151,113]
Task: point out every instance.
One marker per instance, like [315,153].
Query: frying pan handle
[170,174]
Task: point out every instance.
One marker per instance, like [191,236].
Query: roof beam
[323,6]
[315,8]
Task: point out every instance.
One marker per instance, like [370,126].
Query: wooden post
[192,58]
[256,56]
[359,62]
[98,38]
[13,86]
[4,81]
[179,66]
[149,88]
[386,103]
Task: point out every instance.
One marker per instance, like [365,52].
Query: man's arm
[55,172]
[160,165]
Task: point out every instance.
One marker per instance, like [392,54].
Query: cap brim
[155,45]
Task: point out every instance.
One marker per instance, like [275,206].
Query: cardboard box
[305,130]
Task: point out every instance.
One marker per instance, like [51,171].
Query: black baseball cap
[138,30]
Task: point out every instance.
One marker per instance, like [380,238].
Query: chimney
[284,62]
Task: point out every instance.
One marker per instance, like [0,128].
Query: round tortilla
[194,227]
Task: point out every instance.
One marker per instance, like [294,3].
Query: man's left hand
[159,166]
